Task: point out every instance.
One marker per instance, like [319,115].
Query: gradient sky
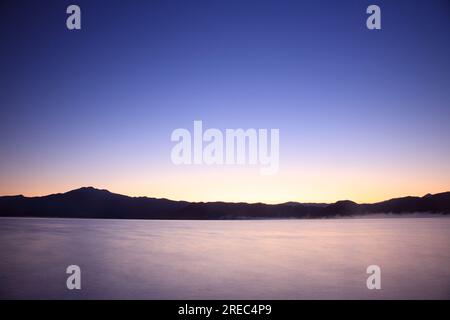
[363,115]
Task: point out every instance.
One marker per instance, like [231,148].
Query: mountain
[88,202]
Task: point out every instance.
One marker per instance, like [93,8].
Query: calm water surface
[264,259]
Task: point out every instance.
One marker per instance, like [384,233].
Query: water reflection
[263,259]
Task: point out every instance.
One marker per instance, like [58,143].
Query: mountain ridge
[89,202]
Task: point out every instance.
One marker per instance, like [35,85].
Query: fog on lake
[240,259]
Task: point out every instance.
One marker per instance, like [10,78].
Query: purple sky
[362,114]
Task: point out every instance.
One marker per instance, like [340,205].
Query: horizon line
[215,201]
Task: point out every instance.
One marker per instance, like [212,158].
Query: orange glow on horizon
[244,185]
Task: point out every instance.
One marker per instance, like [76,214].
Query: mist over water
[262,259]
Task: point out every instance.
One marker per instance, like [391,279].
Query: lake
[239,259]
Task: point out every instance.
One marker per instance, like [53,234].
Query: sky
[363,114]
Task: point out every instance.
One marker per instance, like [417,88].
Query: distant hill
[89,202]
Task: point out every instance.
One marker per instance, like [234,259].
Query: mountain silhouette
[88,202]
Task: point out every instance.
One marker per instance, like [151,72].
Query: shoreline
[418,215]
